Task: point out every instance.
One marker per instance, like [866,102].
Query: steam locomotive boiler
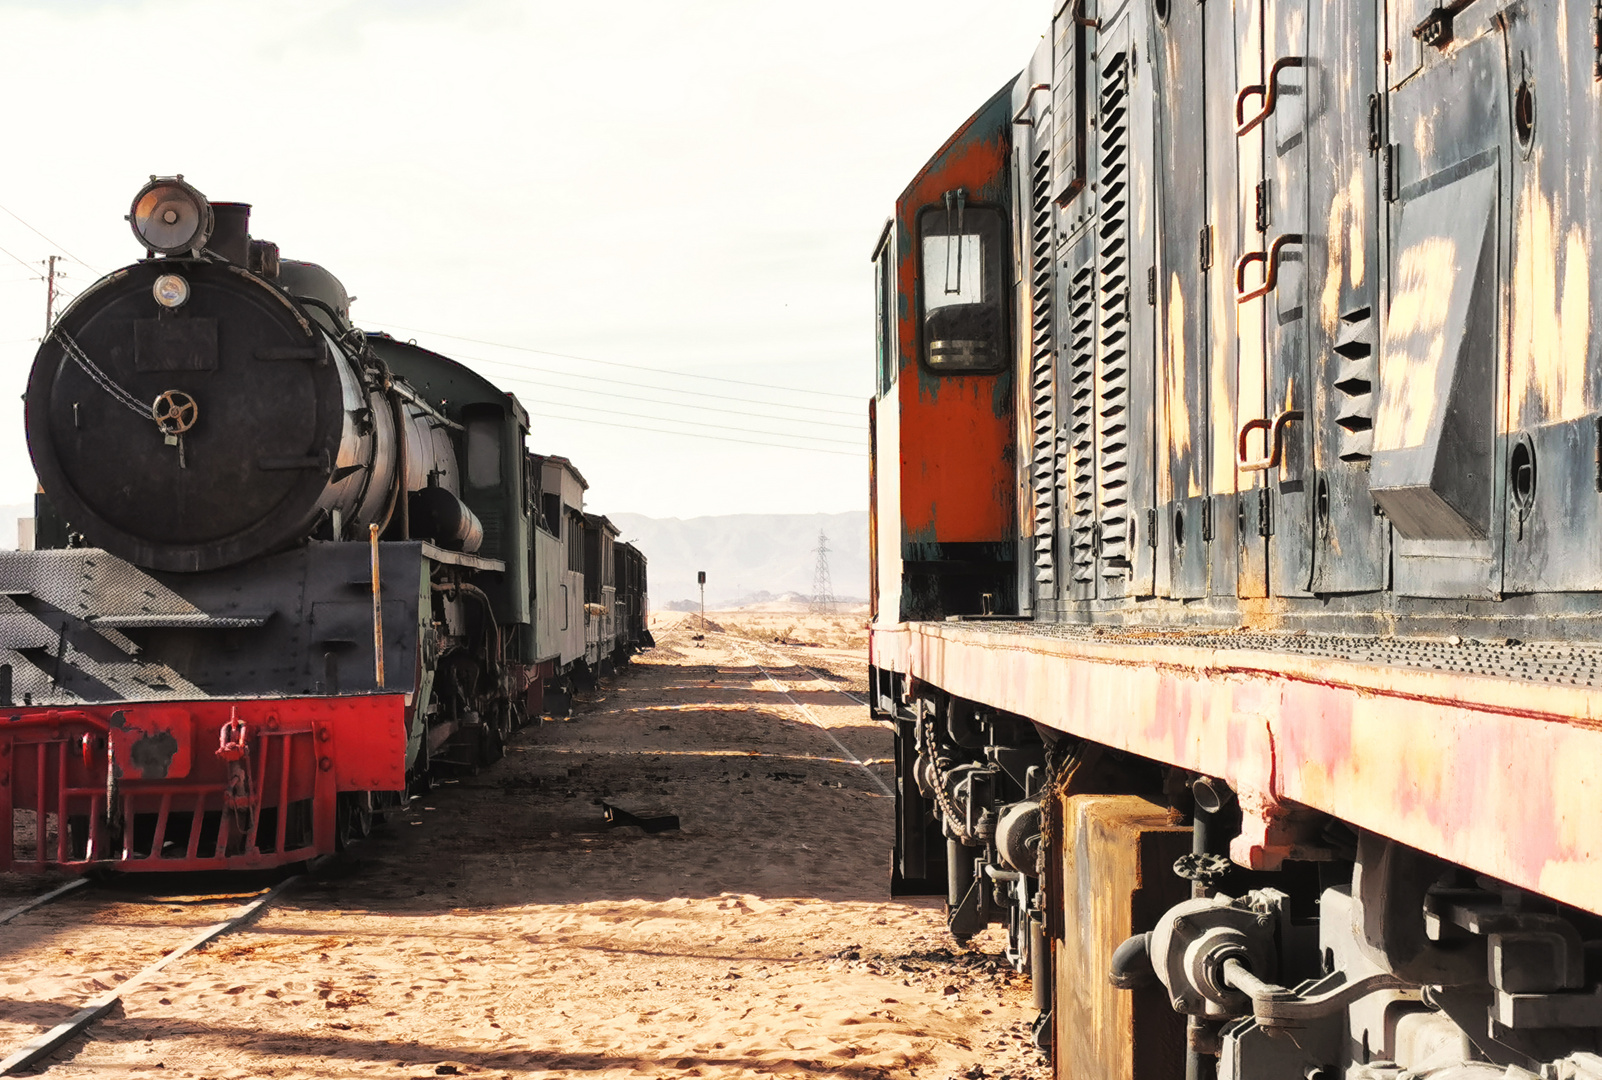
[284,569]
[1236,486]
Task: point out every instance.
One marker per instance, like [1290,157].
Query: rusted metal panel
[1143,226]
[1285,136]
[1445,123]
[151,743]
[1345,135]
[1495,774]
[1182,305]
[1224,60]
[1038,429]
[1117,855]
[956,430]
[1115,63]
[1554,512]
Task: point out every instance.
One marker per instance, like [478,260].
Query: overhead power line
[631,367]
[722,427]
[810,409]
[747,413]
[47,239]
[698,395]
[694,435]
[20,260]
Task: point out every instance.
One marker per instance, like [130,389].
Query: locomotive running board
[1490,771]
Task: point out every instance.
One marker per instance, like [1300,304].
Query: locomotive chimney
[230,237]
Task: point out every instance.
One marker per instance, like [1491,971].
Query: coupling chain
[947,807]
[101,379]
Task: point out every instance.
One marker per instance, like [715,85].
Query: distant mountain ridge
[744,554]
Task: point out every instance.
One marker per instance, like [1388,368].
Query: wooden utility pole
[50,294]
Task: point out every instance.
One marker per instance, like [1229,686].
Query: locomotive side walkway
[500,929]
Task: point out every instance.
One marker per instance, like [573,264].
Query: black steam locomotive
[283,568]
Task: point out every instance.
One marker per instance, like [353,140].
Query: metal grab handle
[1275,430]
[1270,261]
[1269,94]
[1023,113]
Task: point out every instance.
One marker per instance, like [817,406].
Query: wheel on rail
[353,818]
[492,732]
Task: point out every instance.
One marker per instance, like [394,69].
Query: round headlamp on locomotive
[209,405]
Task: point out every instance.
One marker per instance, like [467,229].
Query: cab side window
[962,290]
[884,308]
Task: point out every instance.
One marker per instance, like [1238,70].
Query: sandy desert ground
[500,929]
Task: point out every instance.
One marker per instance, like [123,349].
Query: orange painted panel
[958,443]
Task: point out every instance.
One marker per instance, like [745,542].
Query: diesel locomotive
[283,569]
[1236,487]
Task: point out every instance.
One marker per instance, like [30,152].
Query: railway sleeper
[1155,957]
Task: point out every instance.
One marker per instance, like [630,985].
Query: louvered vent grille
[1047,461]
[1355,378]
[1112,296]
[1081,425]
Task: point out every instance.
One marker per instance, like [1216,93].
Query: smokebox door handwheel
[174,412]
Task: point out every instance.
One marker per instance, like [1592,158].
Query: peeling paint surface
[1551,289]
[957,434]
[1178,405]
[1420,306]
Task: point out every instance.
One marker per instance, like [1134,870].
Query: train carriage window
[575,544]
[962,288]
[484,451]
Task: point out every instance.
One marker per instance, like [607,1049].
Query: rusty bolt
[322,734]
[272,723]
[325,763]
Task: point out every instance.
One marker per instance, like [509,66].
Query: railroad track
[747,648]
[31,1051]
[787,653]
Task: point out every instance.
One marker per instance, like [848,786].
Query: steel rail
[43,899]
[40,1046]
[810,715]
[792,660]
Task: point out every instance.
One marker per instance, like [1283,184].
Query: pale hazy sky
[687,187]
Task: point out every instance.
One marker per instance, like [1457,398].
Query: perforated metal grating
[1542,662]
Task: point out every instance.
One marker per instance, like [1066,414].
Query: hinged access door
[1180,294]
[1343,128]
[1278,442]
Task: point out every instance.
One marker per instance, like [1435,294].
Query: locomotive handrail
[1269,94]
[1020,119]
[1275,430]
[1270,261]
